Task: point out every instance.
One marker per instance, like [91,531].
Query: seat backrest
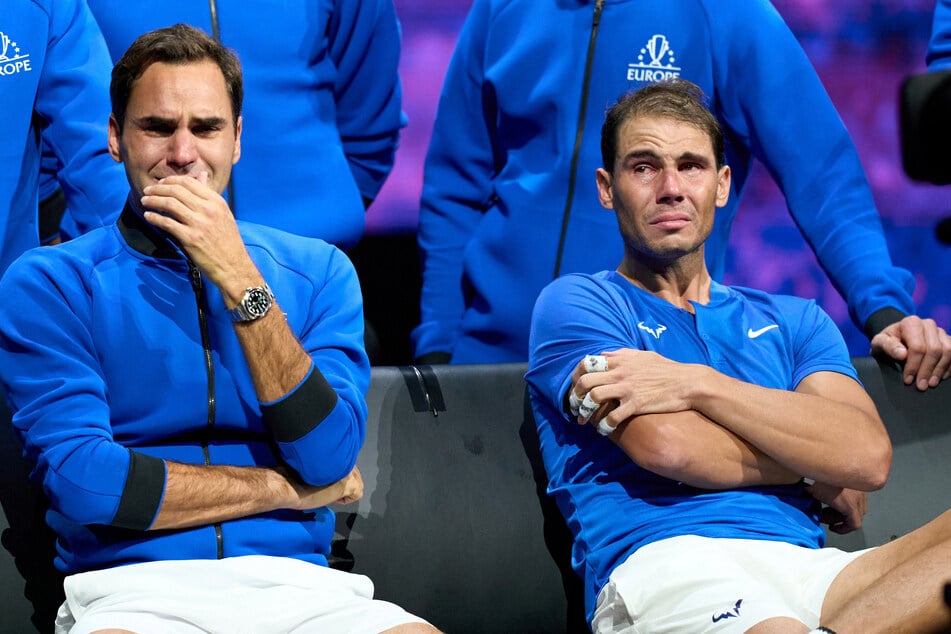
[454,524]
[919,424]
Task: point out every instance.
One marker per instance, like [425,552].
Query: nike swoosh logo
[753,334]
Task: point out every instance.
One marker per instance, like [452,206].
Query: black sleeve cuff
[302,410]
[142,494]
[882,318]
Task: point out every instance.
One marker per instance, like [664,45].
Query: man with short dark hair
[678,418]
[191,388]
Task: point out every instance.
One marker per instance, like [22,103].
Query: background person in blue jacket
[191,387]
[323,103]
[54,82]
[938,55]
[678,417]
[508,201]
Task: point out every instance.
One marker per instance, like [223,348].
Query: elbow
[880,467]
[659,453]
[872,470]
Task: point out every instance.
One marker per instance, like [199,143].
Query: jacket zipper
[216,34]
[579,133]
[198,288]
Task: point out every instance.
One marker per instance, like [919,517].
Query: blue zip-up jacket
[504,182]
[322,102]
[938,56]
[54,79]
[115,355]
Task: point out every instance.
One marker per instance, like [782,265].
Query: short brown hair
[178,44]
[676,99]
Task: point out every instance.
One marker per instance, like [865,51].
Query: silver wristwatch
[256,302]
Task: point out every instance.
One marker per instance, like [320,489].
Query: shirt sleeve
[319,427]
[365,47]
[73,102]
[457,185]
[55,387]
[773,102]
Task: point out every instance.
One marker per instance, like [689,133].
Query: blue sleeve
[320,426]
[938,56]
[819,346]
[57,393]
[573,316]
[73,101]
[365,47]
[771,99]
[457,185]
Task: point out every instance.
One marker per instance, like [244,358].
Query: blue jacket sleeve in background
[73,101]
[939,47]
[457,185]
[818,167]
[365,47]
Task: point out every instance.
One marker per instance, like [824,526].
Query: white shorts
[703,584]
[250,594]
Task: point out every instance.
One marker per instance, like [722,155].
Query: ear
[605,194]
[236,153]
[724,178]
[114,134]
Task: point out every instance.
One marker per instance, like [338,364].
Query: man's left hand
[923,346]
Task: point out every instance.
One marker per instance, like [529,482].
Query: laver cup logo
[655,62]
[12,59]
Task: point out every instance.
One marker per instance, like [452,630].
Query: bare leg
[898,587]
[412,628]
[779,625]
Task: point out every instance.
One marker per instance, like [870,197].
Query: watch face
[258,301]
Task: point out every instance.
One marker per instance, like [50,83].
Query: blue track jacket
[115,356]
[322,102]
[501,189]
[54,79]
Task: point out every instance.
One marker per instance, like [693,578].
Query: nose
[182,151]
[669,186]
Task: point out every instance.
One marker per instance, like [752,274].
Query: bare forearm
[690,448]
[275,357]
[839,440]
[197,495]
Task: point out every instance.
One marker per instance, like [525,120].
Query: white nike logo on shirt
[753,334]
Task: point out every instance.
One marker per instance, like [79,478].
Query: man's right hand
[843,509]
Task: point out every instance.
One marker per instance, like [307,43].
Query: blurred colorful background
[862,49]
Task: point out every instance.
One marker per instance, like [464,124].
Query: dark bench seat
[454,524]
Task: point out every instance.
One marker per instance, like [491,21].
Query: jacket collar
[145,238]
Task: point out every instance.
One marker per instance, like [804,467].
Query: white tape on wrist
[588,407]
[604,428]
[595,363]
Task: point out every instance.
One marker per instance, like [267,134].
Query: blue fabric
[101,354]
[498,168]
[322,106]
[938,56]
[613,506]
[54,80]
